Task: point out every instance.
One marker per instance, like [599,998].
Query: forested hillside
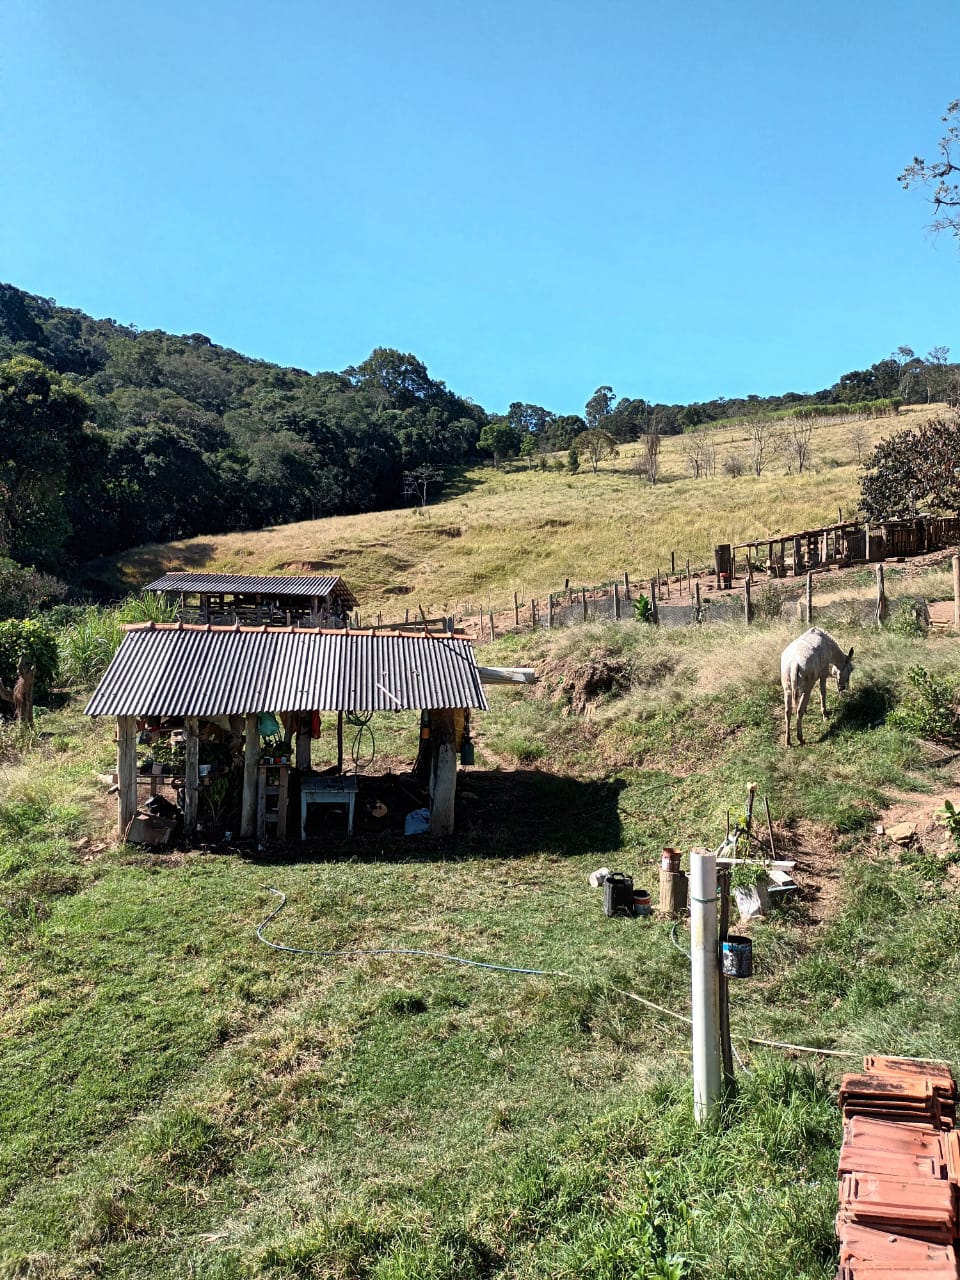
[111,437]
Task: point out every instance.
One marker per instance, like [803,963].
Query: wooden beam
[191,780]
[507,675]
[126,773]
[251,758]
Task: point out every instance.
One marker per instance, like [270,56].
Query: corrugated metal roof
[246,584]
[206,671]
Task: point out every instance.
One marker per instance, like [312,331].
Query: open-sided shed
[277,600]
[207,672]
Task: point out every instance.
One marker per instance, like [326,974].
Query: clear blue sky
[682,200]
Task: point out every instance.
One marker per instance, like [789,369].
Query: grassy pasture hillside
[527,530]
[177,1100]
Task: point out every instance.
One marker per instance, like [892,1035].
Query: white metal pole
[707,1066]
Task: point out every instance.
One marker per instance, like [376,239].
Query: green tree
[500,438]
[913,469]
[46,448]
[599,407]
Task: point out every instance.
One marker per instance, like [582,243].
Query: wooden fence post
[699,613]
[626,586]
[881,597]
[747,608]
[956,593]
[673,563]
[584,595]
[550,611]
[809,599]
[654,611]
[516,612]
[616,601]
[533,613]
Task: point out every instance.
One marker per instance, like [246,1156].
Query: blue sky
[679,200]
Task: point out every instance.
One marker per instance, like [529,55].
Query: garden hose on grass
[510,968]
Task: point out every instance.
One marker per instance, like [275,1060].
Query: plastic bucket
[641,902]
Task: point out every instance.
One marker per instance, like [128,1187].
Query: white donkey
[806,661]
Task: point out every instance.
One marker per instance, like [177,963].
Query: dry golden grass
[529,530]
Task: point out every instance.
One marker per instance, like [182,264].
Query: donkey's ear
[849,655]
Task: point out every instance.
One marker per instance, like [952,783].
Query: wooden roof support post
[251,758]
[191,780]
[443,771]
[303,741]
[126,772]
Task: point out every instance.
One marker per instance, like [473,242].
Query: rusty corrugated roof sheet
[178,670]
[246,584]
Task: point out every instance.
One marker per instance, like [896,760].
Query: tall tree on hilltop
[599,407]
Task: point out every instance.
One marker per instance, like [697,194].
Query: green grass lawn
[177,1099]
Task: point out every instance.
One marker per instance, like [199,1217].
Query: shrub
[642,609]
[23,591]
[932,713]
[767,603]
[910,619]
[25,638]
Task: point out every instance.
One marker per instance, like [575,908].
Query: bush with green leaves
[25,638]
[932,712]
[642,609]
[910,619]
[24,590]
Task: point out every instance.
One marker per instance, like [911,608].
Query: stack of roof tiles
[899,1172]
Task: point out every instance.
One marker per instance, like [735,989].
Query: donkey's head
[844,672]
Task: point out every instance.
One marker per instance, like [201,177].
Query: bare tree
[797,442]
[417,482]
[859,438]
[691,447]
[763,442]
[651,453]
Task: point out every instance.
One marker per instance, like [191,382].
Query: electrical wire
[362,725]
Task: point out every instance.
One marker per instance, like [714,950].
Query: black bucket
[618,894]
[736,957]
